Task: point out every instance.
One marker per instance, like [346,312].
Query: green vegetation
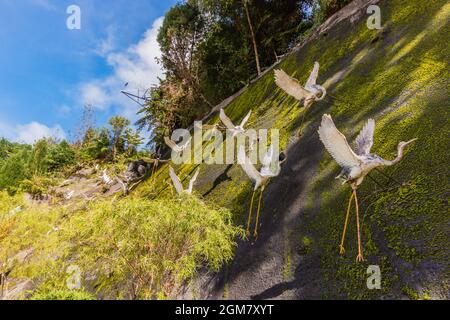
[140,248]
[399,76]
[23,164]
[211,49]
[132,248]
[63,295]
[35,168]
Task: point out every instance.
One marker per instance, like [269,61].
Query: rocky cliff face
[399,76]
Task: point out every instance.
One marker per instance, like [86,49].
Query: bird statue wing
[290,85]
[105,177]
[364,141]
[336,143]
[247,166]
[176,181]
[70,195]
[244,121]
[192,181]
[172,145]
[312,80]
[226,121]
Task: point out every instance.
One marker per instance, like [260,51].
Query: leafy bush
[130,248]
[37,186]
[151,247]
[7,205]
[22,165]
[60,155]
[14,169]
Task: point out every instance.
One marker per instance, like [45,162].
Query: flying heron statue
[177,182]
[178,148]
[239,129]
[271,167]
[355,164]
[309,93]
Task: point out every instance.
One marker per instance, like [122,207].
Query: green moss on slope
[399,76]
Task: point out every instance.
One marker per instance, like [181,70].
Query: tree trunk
[255,47]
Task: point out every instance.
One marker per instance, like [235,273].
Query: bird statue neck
[399,157]
[324,92]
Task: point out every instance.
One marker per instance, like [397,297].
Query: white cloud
[95,94]
[46,4]
[6,131]
[31,132]
[136,66]
[64,110]
[106,45]
[34,131]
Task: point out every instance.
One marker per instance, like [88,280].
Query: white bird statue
[15,211]
[178,148]
[69,195]
[309,93]
[54,229]
[106,179]
[230,126]
[177,182]
[271,167]
[356,165]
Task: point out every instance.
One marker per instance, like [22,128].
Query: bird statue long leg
[300,129]
[250,214]
[255,233]
[153,172]
[360,257]
[341,246]
[358,163]
[260,178]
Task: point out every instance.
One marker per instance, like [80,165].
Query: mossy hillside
[399,76]
[412,219]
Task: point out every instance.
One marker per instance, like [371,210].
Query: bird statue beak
[411,141]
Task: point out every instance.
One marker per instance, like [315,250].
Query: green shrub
[129,248]
[60,155]
[37,186]
[151,247]
[14,169]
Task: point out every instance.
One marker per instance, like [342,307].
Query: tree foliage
[15,169]
[118,126]
[27,167]
[208,52]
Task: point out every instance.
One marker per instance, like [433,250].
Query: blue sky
[48,72]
